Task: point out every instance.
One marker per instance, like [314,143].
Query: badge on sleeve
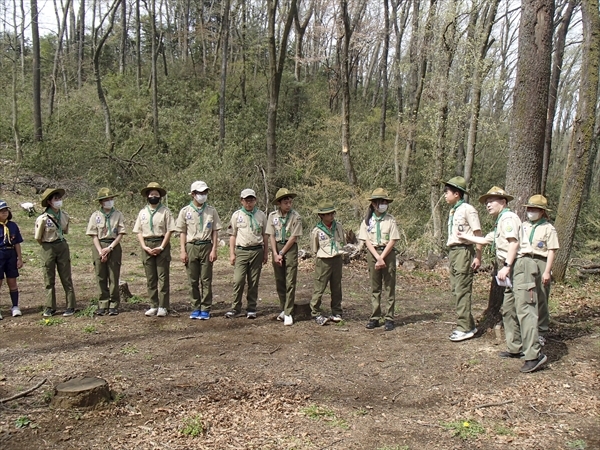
[209,225]
[540,244]
[461,228]
[188,215]
[322,236]
[49,223]
[508,228]
[240,219]
[276,221]
[97,219]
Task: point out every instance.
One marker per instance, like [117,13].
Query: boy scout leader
[248,251]
[198,224]
[284,226]
[514,253]
[462,256]
[107,227]
[50,229]
[153,227]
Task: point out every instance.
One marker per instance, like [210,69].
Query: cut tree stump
[302,309]
[87,392]
[124,291]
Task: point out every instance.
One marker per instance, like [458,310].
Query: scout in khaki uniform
[514,254]
[248,251]
[544,241]
[380,233]
[326,241]
[50,230]
[198,224]
[107,227]
[462,255]
[284,226]
[153,227]
[10,256]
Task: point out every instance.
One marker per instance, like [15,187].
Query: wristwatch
[281,253]
[506,264]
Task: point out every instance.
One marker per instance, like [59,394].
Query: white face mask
[201,198]
[533,216]
[57,204]
[382,208]
[108,204]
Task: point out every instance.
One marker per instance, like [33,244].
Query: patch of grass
[47,397]
[578,444]
[193,426]
[341,323]
[129,350]
[23,422]
[322,413]
[89,329]
[395,447]
[87,312]
[503,431]
[464,429]
[51,321]
[474,362]
[135,300]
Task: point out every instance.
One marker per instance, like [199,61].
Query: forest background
[329,98]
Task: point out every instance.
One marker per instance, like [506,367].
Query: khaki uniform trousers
[383,281]
[200,274]
[543,299]
[248,265]
[520,309]
[327,270]
[157,274]
[56,257]
[285,278]
[461,284]
[107,275]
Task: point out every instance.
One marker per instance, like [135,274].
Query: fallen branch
[24,393]
[273,351]
[487,405]
[547,412]
[185,337]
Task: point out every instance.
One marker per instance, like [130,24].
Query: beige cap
[248,193]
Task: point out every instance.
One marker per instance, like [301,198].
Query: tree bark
[123,45]
[154,69]
[80,42]
[582,139]
[37,96]
[57,55]
[384,73]
[223,87]
[399,27]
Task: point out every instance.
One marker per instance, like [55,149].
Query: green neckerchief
[451,215]
[107,218]
[496,228]
[152,212]
[58,223]
[378,225]
[329,232]
[535,224]
[284,222]
[6,232]
[200,211]
[253,223]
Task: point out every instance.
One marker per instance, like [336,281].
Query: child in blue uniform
[10,255]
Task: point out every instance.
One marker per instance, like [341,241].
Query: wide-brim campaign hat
[381,194]
[495,191]
[48,193]
[325,207]
[537,201]
[104,193]
[458,183]
[283,193]
[153,187]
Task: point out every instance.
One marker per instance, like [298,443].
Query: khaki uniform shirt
[46,230]
[544,238]
[326,246]
[188,223]
[388,231]
[98,225]
[245,235]
[293,226]
[466,220]
[162,222]
[509,226]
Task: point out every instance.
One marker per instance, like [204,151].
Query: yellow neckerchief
[6,232]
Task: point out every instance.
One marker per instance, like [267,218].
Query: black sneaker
[372,324]
[113,312]
[49,312]
[389,325]
[68,312]
[101,311]
[511,355]
[534,364]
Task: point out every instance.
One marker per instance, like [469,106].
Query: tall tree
[37,93]
[123,44]
[583,138]
[62,25]
[384,71]
[80,43]
[224,59]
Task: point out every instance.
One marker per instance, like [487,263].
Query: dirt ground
[255,384]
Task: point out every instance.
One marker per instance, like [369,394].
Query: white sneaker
[287,320]
[541,339]
[458,336]
[16,312]
[151,312]
[251,315]
[162,312]
[281,316]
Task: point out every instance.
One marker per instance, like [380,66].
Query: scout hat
[48,193]
[105,193]
[495,191]
[4,205]
[248,193]
[535,201]
[325,207]
[458,183]
[381,194]
[283,193]
[198,186]
[153,187]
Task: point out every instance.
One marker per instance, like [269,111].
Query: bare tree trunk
[582,139]
[384,72]
[138,46]
[123,37]
[37,96]
[223,88]
[22,38]
[80,42]
[15,113]
[154,69]
[243,50]
[399,27]
[57,55]
[300,27]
